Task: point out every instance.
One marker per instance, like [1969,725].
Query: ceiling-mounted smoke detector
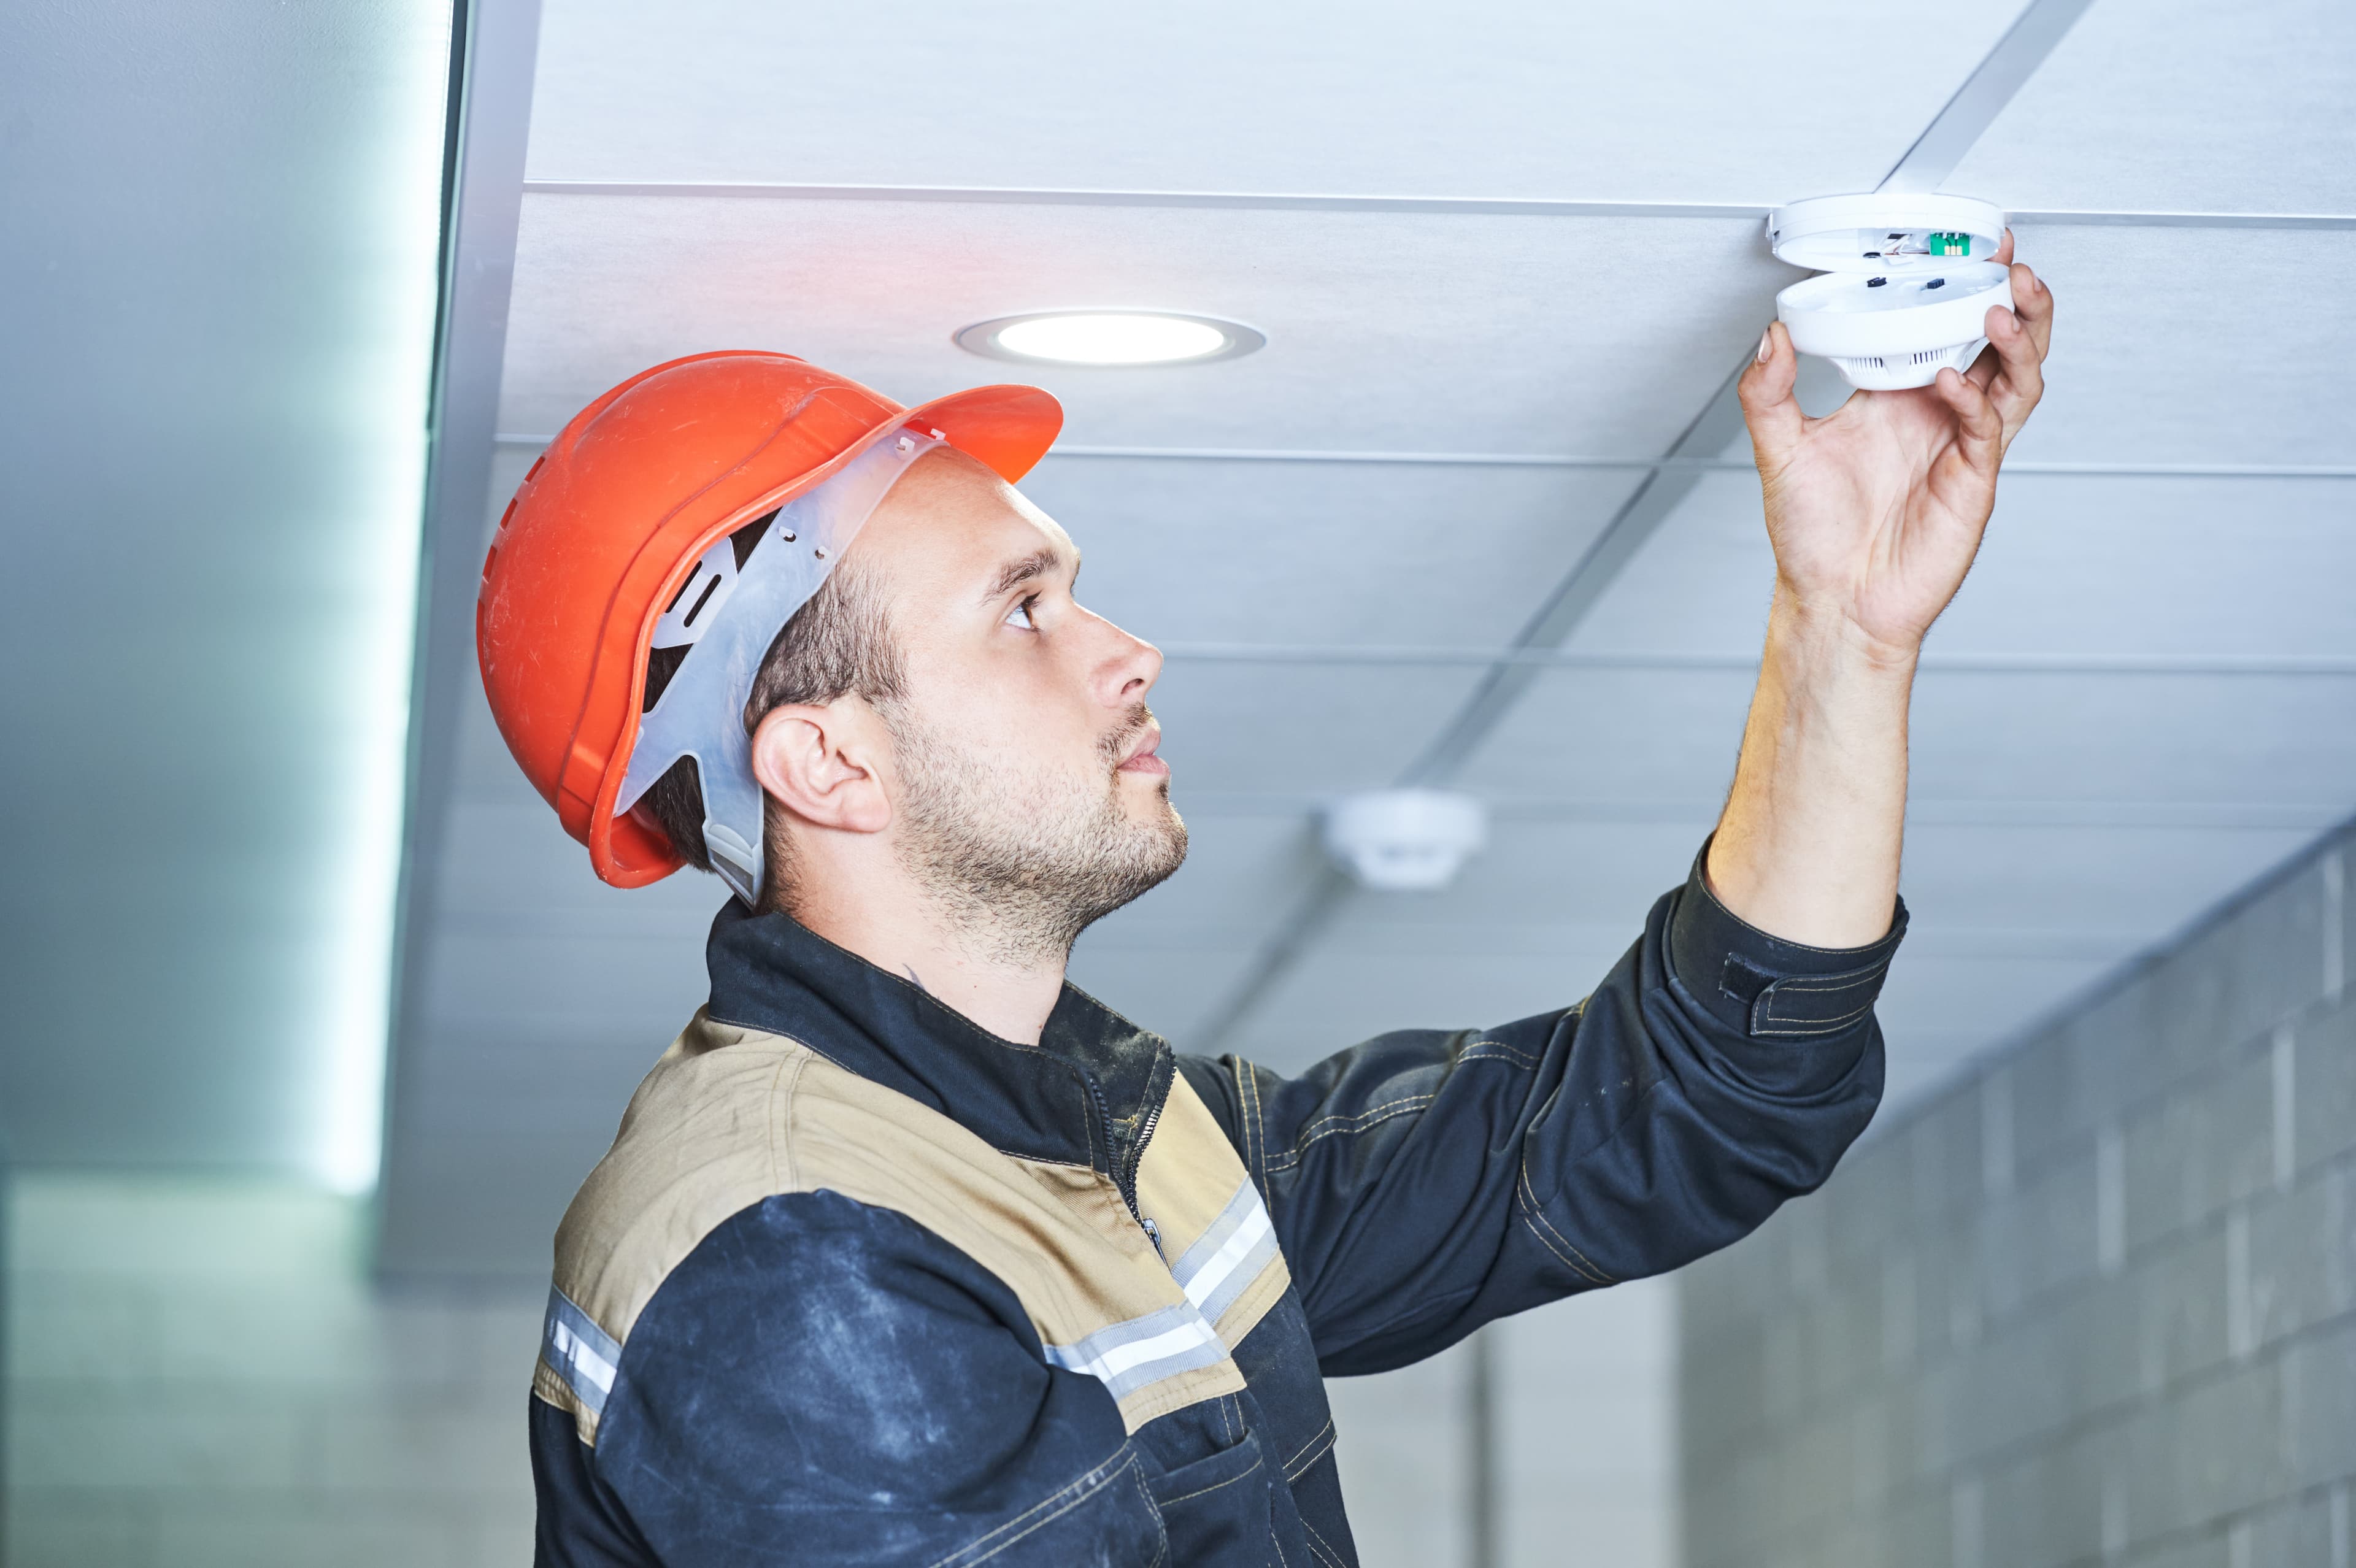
[1904,284]
[1405,839]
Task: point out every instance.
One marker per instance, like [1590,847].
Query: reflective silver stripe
[1229,1256]
[1128,1356]
[580,1352]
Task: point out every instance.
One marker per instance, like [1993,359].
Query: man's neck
[1006,993]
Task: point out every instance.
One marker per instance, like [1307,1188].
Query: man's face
[1030,793]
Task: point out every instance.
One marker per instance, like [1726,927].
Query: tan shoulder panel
[730,1116]
[1215,1229]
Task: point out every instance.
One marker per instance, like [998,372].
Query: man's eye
[1020,616]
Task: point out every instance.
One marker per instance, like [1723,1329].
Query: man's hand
[1875,512]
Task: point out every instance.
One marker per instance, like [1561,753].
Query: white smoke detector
[1903,287]
[1405,839]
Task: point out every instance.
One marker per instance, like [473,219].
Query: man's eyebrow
[1038,564]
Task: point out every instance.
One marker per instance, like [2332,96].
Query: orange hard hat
[614,516]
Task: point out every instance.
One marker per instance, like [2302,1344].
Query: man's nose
[1128,669]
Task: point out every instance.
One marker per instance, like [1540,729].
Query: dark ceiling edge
[1426,206]
[1931,157]
[495,45]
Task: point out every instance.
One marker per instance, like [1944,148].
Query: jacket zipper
[1126,1188]
[1126,1183]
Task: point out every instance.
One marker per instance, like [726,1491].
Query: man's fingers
[2004,249]
[2033,303]
[1979,429]
[1765,389]
[2021,380]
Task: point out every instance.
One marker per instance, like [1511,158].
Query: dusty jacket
[861,1284]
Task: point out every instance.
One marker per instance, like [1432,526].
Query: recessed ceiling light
[1110,338]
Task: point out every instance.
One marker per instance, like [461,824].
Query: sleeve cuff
[1763,986]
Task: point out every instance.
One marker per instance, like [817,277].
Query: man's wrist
[1820,638]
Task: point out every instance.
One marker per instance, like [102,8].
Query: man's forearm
[1807,848]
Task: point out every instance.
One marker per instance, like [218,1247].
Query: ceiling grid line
[1621,464]
[1416,206]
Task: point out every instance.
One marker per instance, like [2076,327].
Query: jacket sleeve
[1425,1182]
[821,1381]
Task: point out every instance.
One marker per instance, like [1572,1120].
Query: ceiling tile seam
[1626,464]
[1927,161]
[1419,206]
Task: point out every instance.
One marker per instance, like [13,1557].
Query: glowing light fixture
[397,238]
[1110,338]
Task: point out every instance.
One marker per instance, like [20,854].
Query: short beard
[1019,865]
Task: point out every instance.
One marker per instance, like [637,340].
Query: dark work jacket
[861,1284]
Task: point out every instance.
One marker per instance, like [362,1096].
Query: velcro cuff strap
[1811,1004]
[1764,986]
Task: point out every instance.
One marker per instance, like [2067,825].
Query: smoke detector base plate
[1903,282]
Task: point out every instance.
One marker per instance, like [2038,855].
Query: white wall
[200,1374]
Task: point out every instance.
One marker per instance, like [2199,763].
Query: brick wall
[200,1374]
[2095,1303]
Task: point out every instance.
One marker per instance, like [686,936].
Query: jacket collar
[1089,1094]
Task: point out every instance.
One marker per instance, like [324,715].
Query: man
[907,1251]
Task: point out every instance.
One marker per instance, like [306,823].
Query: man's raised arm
[1425,1182]
[1875,513]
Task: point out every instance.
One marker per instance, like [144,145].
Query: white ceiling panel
[1621,735]
[1691,101]
[2135,738]
[1319,729]
[2183,106]
[1386,331]
[1186,551]
[1671,735]
[1171,990]
[2105,891]
[2193,346]
[2073,566]
[1343,993]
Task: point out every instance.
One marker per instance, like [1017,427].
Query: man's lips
[1142,758]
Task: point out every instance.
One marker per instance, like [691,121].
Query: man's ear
[823,762]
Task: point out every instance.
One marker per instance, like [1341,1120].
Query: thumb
[1765,389]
